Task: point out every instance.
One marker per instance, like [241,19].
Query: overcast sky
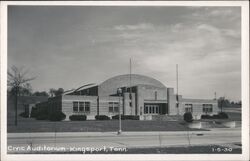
[71,46]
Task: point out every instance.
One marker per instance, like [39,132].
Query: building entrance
[151,109]
[155,108]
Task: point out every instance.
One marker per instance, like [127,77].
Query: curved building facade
[137,95]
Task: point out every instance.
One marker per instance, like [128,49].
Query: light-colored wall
[198,106]
[67,105]
[127,109]
[104,105]
[172,110]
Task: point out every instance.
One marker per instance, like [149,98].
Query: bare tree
[16,79]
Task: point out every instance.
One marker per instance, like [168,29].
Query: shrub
[42,117]
[188,117]
[57,116]
[102,117]
[78,117]
[206,117]
[223,115]
[126,117]
[24,114]
[34,112]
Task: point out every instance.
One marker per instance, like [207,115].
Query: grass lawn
[32,125]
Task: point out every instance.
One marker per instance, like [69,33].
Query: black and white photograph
[109,79]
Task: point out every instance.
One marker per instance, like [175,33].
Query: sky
[69,46]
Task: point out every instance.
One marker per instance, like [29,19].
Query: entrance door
[151,109]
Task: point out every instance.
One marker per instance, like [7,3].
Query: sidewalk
[125,133]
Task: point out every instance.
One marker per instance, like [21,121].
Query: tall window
[81,107]
[75,106]
[151,109]
[113,107]
[188,108]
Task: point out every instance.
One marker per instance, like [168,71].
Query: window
[151,109]
[145,109]
[207,108]
[116,109]
[156,110]
[75,106]
[110,108]
[188,108]
[113,107]
[87,106]
[81,106]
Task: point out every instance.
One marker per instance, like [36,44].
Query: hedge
[102,117]
[78,117]
[34,112]
[42,117]
[57,116]
[24,114]
[126,117]
[221,115]
[188,117]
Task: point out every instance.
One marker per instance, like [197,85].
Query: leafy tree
[16,80]
[43,93]
[56,92]
[26,90]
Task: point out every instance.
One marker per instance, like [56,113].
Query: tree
[188,117]
[16,80]
[223,102]
[43,93]
[26,90]
[53,92]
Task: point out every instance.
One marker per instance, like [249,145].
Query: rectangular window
[145,109]
[110,108]
[113,107]
[188,108]
[87,106]
[81,106]
[116,109]
[75,106]
[207,108]
[156,110]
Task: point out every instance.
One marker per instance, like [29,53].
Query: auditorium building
[133,94]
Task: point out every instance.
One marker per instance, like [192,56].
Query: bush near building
[126,117]
[78,117]
[42,117]
[24,114]
[34,112]
[188,117]
[57,116]
[102,117]
[221,115]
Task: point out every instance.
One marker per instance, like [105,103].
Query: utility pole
[119,91]
[130,90]
[177,94]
